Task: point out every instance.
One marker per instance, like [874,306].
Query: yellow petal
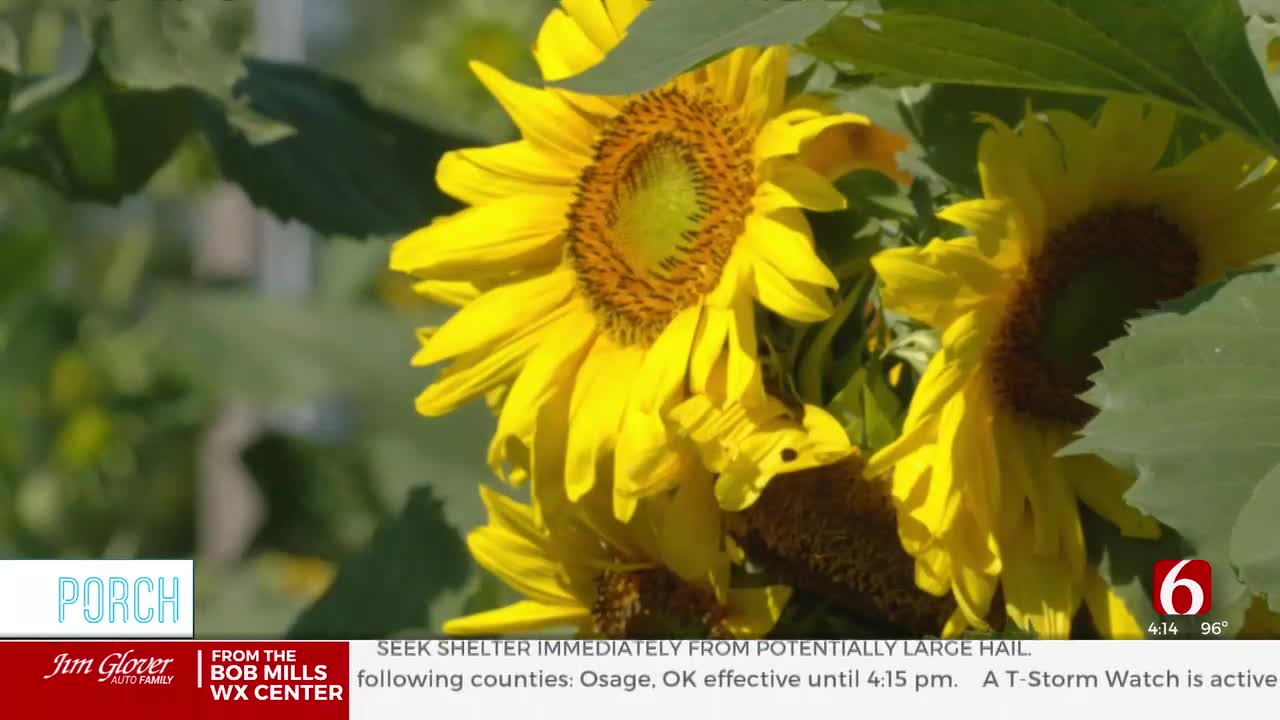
[593,18]
[544,118]
[963,347]
[787,133]
[522,564]
[595,412]
[520,617]
[855,145]
[789,298]
[732,74]
[509,515]
[767,86]
[785,242]
[563,49]
[939,282]
[497,315]
[1111,617]
[1132,137]
[479,175]
[485,241]
[549,371]
[1040,593]
[744,379]
[792,184]
[708,347]
[447,292]
[646,460]
[983,217]
[476,373]
[666,364]
[1102,486]
[690,540]
[946,486]
[754,611]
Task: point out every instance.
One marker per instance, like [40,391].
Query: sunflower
[747,447]
[1079,229]
[641,579]
[619,246]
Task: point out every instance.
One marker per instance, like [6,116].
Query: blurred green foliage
[119,360]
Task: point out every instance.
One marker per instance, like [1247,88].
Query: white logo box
[97,598]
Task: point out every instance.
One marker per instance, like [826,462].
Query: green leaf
[1190,400]
[673,36]
[93,140]
[945,124]
[1192,54]
[391,584]
[349,169]
[8,64]
[194,45]
[319,497]
[1127,565]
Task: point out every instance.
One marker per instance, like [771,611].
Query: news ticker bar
[633,679]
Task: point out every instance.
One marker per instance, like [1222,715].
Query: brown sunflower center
[653,603]
[658,210]
[1092,277]
[830,532]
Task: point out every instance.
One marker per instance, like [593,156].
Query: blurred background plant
[186,373]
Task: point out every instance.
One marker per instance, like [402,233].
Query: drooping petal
[520,617]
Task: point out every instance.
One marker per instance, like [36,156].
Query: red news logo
[1183,587]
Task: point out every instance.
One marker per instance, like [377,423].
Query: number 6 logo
[1193,577]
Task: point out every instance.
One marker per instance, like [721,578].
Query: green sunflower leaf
[1192,54]
[388,587]
[1190,401]
[348,169]
[673,36]
[90,138]
[196,45]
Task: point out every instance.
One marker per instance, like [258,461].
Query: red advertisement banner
[167,679]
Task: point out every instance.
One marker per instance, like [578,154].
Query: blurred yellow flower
[84,437]
[653,577]
[1077,232]
[72,381]
[618,249]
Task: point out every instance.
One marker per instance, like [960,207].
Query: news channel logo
[97,598]
[1183,587]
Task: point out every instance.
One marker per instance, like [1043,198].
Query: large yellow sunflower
[1080,227]
[619,247]
[650,577]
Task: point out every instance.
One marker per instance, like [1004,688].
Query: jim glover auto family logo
[118,668]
